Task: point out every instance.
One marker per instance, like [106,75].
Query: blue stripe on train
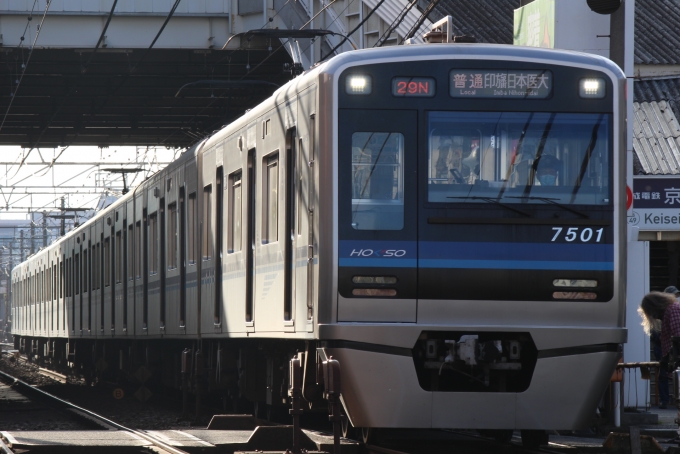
[478,255]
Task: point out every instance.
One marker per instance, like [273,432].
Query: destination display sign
[504,83]
[413,86]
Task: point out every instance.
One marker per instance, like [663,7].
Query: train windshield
[519,157]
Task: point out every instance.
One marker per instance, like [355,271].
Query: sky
[38,178]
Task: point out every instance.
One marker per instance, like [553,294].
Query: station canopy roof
[170,97]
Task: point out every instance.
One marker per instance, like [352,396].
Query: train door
[377,209]
[219,235]
[250,237]
[292,182]
[182,258]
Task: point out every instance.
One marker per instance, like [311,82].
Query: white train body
[412,286]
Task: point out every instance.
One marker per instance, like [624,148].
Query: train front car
[479,230]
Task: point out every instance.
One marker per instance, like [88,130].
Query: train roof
[473,51]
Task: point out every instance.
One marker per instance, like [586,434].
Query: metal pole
[21,245]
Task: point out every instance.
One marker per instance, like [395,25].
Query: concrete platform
[75,438]
[263,438]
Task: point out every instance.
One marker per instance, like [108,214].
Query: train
[447,221]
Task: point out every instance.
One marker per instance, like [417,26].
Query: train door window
[107,262]
[172,236]
[377,181]
[119,257]
[235,213]
[207,215]
[270,220]
[137,250]
[191,228]
[131,253]
[153,243]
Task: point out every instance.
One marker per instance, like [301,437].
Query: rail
[32,389]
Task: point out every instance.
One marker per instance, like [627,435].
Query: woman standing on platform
[661,310]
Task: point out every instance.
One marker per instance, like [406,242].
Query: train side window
[137,250]
[191,228]
[153,243]
[107,262]
[119,257]
[270,208]
[96,267]
[84,268]
[77,274]
[377,181]
[235,212]
[172,236]
[131,254]
[61,277]
[207,220]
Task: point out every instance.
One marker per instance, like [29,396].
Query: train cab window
[172,236]
[191,229]
[270,208]
[153,243]
[119,257]
[107,262]
[138,252]
[207,220]
[235,212]
[518,157]
[131,254]
[377,181]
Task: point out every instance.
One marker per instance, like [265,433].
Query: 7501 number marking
[574,234]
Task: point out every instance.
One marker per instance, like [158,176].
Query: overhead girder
[119,100]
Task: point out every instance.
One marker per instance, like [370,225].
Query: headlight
[592,88]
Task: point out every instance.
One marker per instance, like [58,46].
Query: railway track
[83,413]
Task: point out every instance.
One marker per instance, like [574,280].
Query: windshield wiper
[549,200]
[494,201]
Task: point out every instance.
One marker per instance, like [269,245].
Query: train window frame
[270,202]
[191,229]
[235,225]
[153,243]
[206,247]
[172,236]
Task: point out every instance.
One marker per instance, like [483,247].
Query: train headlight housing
[358,84]
[592,88]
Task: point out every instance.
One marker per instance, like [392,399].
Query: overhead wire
[368,16]
[25,65]
[395,23]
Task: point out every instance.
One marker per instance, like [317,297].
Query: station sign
[656,203]
[484,83]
